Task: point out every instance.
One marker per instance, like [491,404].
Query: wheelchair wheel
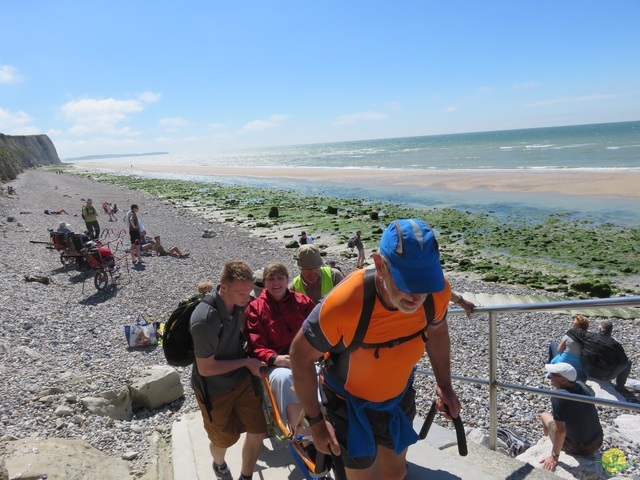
[101,280]
[65,260]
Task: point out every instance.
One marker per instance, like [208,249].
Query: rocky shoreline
[57,332]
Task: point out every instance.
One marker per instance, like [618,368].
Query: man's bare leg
[250,452]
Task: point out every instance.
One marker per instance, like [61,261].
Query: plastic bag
[144,332]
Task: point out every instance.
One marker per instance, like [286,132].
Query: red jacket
[272,324]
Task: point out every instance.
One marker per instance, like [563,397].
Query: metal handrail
[493,382]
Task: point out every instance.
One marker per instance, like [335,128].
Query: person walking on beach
[315,280]
[573,427]
[134,234]
[356,242]
[90,217]
[235,405]
[367,387]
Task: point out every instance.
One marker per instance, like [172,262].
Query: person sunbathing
[56,212]
[163,252]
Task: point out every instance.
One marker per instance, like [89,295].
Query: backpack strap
[369,298]
[368,302]
[206,399]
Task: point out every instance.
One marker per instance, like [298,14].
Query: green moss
[556,251]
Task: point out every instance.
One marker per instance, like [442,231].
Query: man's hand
[447,397]
[549,463]
[324,438]
[467,306]
[254,365]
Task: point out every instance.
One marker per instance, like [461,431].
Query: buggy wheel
[101,280]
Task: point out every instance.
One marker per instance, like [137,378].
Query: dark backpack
[600,351]
[177,344]
[352,241]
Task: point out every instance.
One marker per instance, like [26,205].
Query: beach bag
[176,337]
[144,332]
[352,242]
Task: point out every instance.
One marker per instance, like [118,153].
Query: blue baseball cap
[412,250]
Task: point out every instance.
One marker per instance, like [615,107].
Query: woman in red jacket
[273,319]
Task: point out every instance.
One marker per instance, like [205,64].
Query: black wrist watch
[313,420]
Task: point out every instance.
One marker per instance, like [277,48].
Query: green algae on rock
[556,253]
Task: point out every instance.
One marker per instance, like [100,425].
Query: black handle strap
[457,423]
[428,421]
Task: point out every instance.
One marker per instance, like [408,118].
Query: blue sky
[203,76]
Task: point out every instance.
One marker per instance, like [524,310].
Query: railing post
[493,376]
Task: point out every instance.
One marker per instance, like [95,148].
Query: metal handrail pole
[571,396]
[544,392]
[493,376]
[547,306]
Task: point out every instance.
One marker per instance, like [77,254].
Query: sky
[204,76]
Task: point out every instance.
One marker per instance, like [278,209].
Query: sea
[596,147]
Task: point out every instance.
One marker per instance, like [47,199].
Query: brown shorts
[233,412]
[572,448]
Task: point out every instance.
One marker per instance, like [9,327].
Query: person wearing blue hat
[375,325]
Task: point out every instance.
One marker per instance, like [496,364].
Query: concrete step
[435,458]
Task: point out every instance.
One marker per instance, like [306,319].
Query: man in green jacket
[315,280]
[90,217]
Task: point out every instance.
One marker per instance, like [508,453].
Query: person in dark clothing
[220,359]
[573,427]
[611,362]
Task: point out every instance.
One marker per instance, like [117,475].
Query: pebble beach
[67,335]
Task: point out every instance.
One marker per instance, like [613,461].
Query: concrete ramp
[435,458]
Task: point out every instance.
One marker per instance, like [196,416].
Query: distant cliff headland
[19,152]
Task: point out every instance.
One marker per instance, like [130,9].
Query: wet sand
[574,182]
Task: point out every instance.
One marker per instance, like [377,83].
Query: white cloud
[173,124]
[149,97]
[273,121]
[18,123]
[357,117]
[450,109]
[585,98]
[92,116]
[9,74]
[217,126]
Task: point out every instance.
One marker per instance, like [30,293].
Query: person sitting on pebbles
[163,252]
[64,227]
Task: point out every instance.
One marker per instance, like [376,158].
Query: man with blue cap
[374,326]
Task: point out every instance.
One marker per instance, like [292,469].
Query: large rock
[115,404]
[570,466]
[35,457]
[156,386]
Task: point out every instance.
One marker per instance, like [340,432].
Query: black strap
[395,342]
[369,299]
[206,399]
[368,302]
